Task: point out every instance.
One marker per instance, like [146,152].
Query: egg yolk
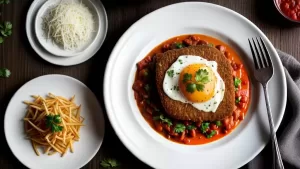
[200,88]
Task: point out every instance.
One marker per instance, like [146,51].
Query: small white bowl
[49,44]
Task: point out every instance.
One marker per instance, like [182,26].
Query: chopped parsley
[218,123]
[237,82]
[191,87]
[163,119]
[211,134]
[170,73]
[191,127]
[176,88]
[178,45]
[180,61]
[179,128]
[204,127]
[237,100]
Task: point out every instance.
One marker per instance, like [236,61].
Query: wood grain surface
[17,55]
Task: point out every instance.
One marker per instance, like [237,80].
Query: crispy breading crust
[185,111]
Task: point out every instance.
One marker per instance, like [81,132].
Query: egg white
[170,84]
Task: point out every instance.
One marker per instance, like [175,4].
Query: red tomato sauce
[291,8]
[189,132]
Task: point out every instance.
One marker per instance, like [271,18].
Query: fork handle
[277,161]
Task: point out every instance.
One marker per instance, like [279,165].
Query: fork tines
[261,57]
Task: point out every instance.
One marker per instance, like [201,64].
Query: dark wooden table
[17,55]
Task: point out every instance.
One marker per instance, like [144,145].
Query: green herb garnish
[202,76]
[4,1]
[5,31]
[5,73]
[211,134]
[170,73]
[187,77]
[109,163]
[204,127]
[237,82]
[53,121]
[180,61]
[163,119]
[191,127]
[191,87]
[237,100]
[179,128]
[178,45]
[218,123]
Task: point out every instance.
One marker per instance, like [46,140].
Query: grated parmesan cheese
[69,24]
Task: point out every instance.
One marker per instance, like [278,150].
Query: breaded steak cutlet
[185,111]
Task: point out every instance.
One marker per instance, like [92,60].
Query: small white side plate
[49,44]
[65,61]
[92,133]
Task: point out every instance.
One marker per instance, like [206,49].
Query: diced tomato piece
[244,99]
[242,105]
[213,126]
[186,140]
[137,85]
[236,114]
[188,42]
[242,92]
[192,133]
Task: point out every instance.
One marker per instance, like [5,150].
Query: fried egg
[196,81]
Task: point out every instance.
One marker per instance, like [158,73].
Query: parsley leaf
[191,87]
[218,123]
[5,30]
[179,128]
[170,73]
[237,82]
[191,127]
[52,122]
[109,163]
[204,127]
[211,134]
[187,77]
[202,76]
[4,72]
[200,87]
[163,119]
[237,100]
[178,45]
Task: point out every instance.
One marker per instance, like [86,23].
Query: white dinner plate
[232,151]
[91,135]
[49,44]
[65,61]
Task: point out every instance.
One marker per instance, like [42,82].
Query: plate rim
[53,75]
[125,35]
[31,15]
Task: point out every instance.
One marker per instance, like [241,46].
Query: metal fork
[263,73]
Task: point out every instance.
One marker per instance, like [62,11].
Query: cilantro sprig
[211,134]
[201,78]
[53,121]
[163,119]
[109,163]
[179,128]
